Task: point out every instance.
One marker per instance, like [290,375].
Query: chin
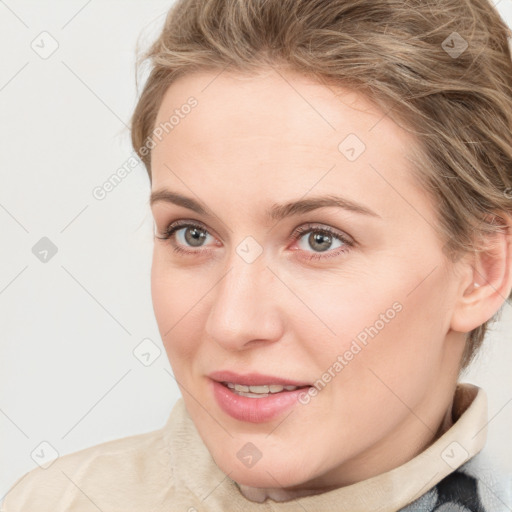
[262,479]
[265,473]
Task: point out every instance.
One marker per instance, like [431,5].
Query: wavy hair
[439,68]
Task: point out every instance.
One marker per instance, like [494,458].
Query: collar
[386,492]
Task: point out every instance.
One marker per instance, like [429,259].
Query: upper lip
[253,379]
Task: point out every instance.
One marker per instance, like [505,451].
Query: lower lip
[254,410]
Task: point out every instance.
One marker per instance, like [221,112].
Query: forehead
[280,109]
[247,130]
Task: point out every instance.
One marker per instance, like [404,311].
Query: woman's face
[362,310]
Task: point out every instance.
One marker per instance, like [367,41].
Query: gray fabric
[477,486]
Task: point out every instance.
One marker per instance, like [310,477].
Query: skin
[259,140]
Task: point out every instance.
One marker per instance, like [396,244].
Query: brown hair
[407,56]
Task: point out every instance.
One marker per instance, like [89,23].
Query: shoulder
[491,479]
[479,485]
[104,476]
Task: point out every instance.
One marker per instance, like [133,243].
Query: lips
[251,408]
[229,390]
[254,379]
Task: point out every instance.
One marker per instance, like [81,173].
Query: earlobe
[490,277]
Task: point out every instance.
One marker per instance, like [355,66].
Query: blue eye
[320,237]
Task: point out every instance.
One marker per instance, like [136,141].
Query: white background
[69,326]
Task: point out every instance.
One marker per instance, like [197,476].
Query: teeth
[251,395]
[259,391]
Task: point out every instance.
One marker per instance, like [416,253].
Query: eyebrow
[275,212]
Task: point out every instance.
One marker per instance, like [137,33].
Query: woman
[331,188]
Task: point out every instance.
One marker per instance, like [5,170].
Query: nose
[246,309]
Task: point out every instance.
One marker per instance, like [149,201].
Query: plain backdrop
[75,299]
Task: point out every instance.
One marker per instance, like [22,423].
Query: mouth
[255,380]
[254,397]
[261,391]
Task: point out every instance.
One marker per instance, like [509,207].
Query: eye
[193,234]
[320,239]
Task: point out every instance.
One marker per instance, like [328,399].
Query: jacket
[170,469]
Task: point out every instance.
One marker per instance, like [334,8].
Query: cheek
[395,311]
[175,305]
[391,345]
[163,294]
[344,314]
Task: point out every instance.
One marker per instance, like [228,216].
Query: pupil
[319,237]
[196,238]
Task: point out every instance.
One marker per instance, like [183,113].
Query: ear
[487,280]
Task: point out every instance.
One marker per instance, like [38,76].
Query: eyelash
[296,235]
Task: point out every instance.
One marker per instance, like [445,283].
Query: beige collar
[195,470]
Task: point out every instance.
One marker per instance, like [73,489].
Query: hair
[409,57]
